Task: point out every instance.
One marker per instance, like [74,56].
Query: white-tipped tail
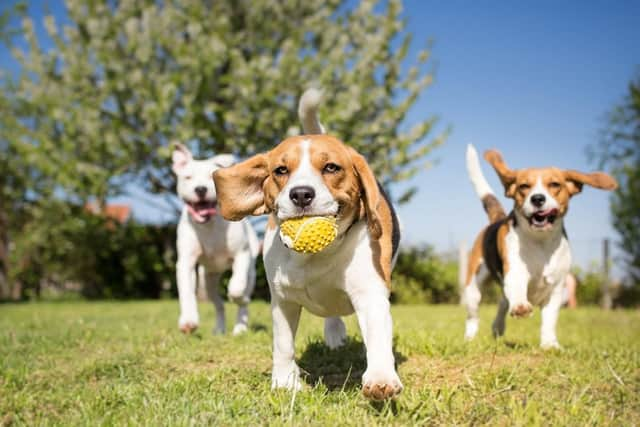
[308,111]
[475,173]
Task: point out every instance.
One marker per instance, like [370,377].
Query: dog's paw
[188,328]
[286,377]
[188,323]
[550,345]
[523,309]
[381,385]
[240,328]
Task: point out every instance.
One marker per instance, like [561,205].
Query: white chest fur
[323,283]
[542,263]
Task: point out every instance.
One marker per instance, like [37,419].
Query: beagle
[318,175]
[526,251]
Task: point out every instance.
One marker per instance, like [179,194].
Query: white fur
[308,112]
[478,180]
[538,265]
[549,202]
[216,246]
[336,282]
[306,175]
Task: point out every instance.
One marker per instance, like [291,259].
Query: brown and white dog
[526,251]
[311,175]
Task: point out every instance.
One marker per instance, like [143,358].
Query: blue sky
[532,79]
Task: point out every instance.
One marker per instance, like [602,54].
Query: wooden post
[606,302]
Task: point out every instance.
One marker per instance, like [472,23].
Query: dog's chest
[318,282]
[544,264]
[219,242]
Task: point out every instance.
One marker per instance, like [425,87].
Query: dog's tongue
[548,212]
[201,212]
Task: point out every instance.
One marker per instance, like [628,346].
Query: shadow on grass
[339,369]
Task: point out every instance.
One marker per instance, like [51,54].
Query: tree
[105,95]
[619,151]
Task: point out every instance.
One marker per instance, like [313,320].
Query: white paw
[286,377]
[550,345]
[381,384]
[240,328]
[188,323]
[521,309]
[471,329]
[335,333]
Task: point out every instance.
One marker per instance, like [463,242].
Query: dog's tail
[308,112]
[489,201]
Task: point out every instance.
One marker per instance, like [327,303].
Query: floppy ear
[507,176]
[575,181]
[240,188]
[180,157]
[224,160]
[370,193]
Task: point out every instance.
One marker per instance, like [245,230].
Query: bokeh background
[93,94]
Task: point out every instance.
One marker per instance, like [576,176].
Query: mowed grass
[126,363]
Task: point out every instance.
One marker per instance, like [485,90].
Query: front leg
[516,284]
[550,311]
[186,278]
[380,380]
[285,316]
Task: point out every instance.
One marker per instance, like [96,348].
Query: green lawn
[126,363]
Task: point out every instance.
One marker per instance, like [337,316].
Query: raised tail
[489,201]
[308,112]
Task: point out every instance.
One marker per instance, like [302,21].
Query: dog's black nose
[201,191]
[538,200]
[302,196]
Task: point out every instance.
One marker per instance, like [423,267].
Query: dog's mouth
[543,220]
[202,210]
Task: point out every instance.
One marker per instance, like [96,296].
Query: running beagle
[526,251]
[318,175]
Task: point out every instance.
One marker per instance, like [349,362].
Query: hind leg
[472,299]
[335,332]
[211,282]
[498,325]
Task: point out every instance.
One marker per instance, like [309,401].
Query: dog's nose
[302,196]
[201,191]
[538,200]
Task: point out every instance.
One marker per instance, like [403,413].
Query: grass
[126,363]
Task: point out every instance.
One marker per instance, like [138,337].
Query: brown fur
[251,187]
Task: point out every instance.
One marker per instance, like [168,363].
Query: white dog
[311,175]
[210,241]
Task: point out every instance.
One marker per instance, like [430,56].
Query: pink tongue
[202,213]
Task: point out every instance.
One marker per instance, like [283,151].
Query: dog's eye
[281,170]
[187,177]
[524,187]
[554,185]
[331,168]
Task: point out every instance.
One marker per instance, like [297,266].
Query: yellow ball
[309,234]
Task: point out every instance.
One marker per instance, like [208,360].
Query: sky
[531,79]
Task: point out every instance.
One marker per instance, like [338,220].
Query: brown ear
[507,176]
[575,181]
[370,193]
[240,188]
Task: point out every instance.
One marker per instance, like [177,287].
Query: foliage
[96,104]
[589,284]
[101,257]
[421,276]
[619,151]
[126,364]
